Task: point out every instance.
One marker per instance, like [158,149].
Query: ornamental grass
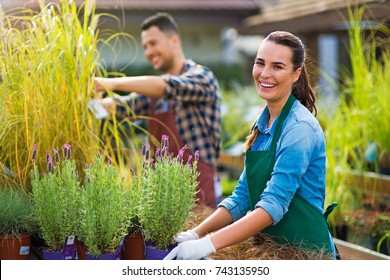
[48,58]
[357,135]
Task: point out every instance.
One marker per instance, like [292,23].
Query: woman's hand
[192,249]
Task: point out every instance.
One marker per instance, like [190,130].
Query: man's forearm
[151,86]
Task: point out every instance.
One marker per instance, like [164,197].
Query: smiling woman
[274,74]
[281,189]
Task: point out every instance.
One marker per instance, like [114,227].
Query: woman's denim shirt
[300,166]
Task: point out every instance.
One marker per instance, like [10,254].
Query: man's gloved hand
[192,249]
[186,236]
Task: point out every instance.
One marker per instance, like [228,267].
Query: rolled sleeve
[232,208]
[271,205]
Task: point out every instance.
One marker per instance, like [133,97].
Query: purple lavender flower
[47,156]
[180,155]
[56,155]
[147,154]
[158,152]
[67,151]
[89,178]
[197,155]
[50,165]
[164,151]
[165,141]
[132,170]
[189,160]
[143,150]
[34,152]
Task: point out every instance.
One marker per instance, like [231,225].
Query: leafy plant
[57,198]
[368,222]
[105,217]
[384,238]
[16,212]
[167,193]
[361,119]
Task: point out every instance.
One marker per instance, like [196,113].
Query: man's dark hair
[164,21]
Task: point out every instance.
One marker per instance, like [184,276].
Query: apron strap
[285,111]
[329,209]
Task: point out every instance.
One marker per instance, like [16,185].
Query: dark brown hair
[302,89]
[164,21]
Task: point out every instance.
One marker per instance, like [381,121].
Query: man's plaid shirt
[196,96]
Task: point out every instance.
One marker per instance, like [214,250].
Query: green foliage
[367,98]
[16,212]
[368,222]
[57,199]
[363,115]
[384,238]
[167,194]
[228,185]
[105,218]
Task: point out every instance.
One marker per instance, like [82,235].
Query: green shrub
[105,216]
[57,198]
[167,194]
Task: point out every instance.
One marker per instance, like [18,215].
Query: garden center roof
[310,15]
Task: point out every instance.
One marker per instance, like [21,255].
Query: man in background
[183,102]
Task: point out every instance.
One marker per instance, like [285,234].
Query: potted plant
[369,225]
[17,223]
[57,200]
[105,214]
[168,193]
[133,243]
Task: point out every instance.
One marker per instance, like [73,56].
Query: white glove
[192,249]
[186,236]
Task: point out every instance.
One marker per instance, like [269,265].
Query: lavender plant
[105,209]
[57,197]
[168,193]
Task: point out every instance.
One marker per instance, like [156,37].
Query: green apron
[303,225]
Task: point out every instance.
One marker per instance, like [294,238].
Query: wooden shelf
[374,186]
